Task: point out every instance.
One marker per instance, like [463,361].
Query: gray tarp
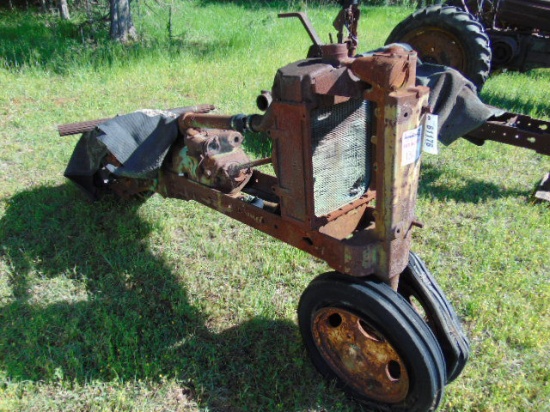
[455,101]
[139,141]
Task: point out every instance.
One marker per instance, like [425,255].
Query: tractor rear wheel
[448,36]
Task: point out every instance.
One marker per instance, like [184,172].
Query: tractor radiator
[341,154]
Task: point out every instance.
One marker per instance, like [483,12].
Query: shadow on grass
[525,105]
[133,319]
[470,191]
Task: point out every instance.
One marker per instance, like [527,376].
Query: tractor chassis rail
[516,130]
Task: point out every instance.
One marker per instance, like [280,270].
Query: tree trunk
[63,9]
[122,25]
[90,19]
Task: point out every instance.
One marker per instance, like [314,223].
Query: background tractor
[480,37]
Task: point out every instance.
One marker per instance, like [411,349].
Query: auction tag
[412,143]
[429,139]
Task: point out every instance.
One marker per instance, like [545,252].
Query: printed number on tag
[430,134]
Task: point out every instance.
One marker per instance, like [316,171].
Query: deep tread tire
[419,287]
[390,317]
[449,36]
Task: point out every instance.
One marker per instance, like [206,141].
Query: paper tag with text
[429,139]
[412,143]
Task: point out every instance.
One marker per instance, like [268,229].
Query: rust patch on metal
[439,46]
[516,130]
[127,188]
[89,125]
[213,158]
[124,187]
[360,355]
[391,69]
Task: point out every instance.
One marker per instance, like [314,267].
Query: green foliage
[168,305]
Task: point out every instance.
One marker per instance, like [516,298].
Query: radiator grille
[341,154]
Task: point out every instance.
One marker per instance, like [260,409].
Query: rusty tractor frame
[357,322]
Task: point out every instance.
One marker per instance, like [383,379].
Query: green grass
[168,305]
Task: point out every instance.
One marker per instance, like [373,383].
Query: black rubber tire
[418,286]
[462,41]
[392,318]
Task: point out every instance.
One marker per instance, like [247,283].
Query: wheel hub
[360,355]
[438,46]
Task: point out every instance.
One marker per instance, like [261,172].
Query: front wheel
[372,343]
[448,36]
[418,286]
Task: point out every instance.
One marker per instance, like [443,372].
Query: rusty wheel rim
[361,357]
[438,46]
